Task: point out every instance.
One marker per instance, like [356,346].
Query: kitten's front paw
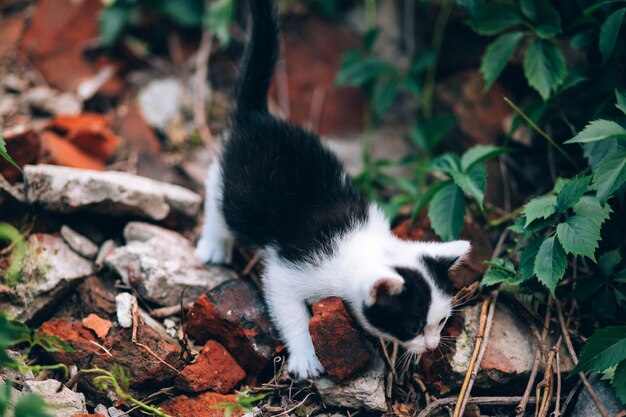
[304,366]
[212,251]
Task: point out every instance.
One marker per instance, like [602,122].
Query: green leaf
[187,13]
[608,262]
[527,260]
[550,263]
[480,153]
[619,382]
[360,71]
[609,32]
[546,19]
[497,56]
[425,198]
[621,101]
[571,192]
[605,348]
[579,236]
[589,206]
[446,212]
[30,405]
[610,174]
[501,270]
[539,208]
[598,130]
[383,96]
[5,154]
[446,162]
[112,22]
[544,67]
[471,6]
[596,152]
[493,18]
[472,182]
[219,18]
[426,134]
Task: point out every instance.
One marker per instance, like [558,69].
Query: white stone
[366,390]
[79,243]
[65,190]
[124,303]
[161,102]
[62,401]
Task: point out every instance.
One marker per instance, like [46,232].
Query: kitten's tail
[259,59]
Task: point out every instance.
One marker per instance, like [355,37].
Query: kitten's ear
[449,254]
[383,288]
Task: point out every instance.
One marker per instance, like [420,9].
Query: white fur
[216,242]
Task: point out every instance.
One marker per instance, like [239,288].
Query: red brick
[24,146]
[58,151]
[338,344]
[202,405]
[98,325]
[88,132]
[234,315]
[214,370]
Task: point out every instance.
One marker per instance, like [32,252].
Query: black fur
[281,187]
[402,315]
[439,268]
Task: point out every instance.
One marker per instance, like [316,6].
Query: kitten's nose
[431,344]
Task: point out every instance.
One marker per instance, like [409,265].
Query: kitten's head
[412,305]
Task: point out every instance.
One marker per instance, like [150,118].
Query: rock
[365,390]
[101,409]
[161,102]
[89,132]
[24,146]
[46,100]
[585,407]
[142,367]
[234,315]
[202,405]
[214,370]
[66,190]
[161,264]
[124,306]
[58,151]
[50,269]
[107,247]
[97,296]
[98,325]
[90,415]
[338,344]
[79,243]
[63,401]
[508,357]
[116,412]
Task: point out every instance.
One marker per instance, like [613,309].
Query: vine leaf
[446,211]
[544,67]
[579,236]
[550,263]
[605,348]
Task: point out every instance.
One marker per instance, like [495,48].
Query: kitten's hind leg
[216,242]
[291,316]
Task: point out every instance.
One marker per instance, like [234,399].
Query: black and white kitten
[277,188]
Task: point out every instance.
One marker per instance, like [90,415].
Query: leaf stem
[540,131]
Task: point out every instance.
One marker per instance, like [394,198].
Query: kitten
[277,188]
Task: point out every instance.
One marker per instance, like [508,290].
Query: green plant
[4,153]
[13,272]
[27,405]
[118,381]
[243,402]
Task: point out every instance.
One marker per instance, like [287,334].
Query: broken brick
[233,314]
[58,151]
[89,132]
[24,146]
[97,296]
[214,370]
[338,344]
[203,405]
[98,325]
[141,366]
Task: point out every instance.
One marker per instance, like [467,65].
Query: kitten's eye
[442,321]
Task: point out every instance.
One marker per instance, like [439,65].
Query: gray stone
[49,269]
[63,401]
[164,265]
[510,351]
[105,250]
[47,100]
[101,409]
[124,303]
[65,190]
[365,390]
[585,407]
[79,243]
[115,412]
[14,374]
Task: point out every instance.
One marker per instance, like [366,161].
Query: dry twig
[200,96]
[475,400]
